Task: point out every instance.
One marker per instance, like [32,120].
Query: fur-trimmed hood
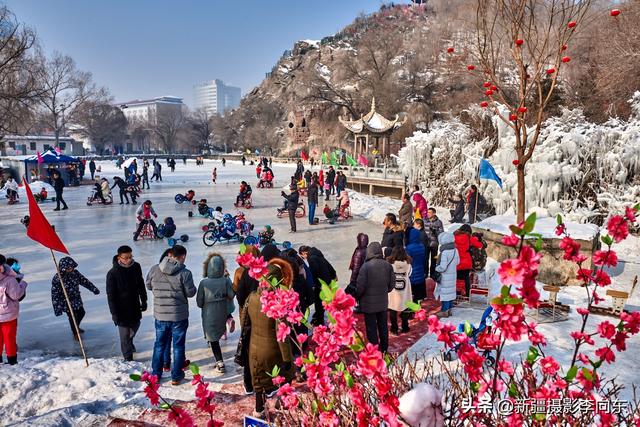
[214,266]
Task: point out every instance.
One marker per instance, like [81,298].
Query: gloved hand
[97,292]
[143,306]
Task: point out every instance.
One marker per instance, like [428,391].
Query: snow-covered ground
[51,386]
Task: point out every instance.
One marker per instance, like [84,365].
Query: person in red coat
[464,240]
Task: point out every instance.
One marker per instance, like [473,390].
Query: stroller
[478,337]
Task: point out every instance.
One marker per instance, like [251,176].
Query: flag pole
[475,211]
[71,313]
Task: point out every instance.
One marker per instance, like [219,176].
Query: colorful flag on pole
[488,172]
[39,228]
[58,150]
[351,161]
[304,155]
[325,157]
[334,159]
[39,156]
[363,160]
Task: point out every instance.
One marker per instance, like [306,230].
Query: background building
[148,110]
[216,97]
[17,145]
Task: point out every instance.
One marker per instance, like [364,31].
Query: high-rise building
[216,97]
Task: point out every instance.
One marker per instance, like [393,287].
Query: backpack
[478,255]
[401,281]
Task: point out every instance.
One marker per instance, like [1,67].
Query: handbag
[242,350]
[438,276]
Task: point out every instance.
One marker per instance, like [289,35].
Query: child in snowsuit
[143,215]
[214,175]
[214,294]
[167,228]
[72,280]
[11,291]
[218,216]
[447,262]
[266,236]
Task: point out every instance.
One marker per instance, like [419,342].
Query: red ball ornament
[522,110]
[471,67]
[450,50]
[566,59]
[513,117]
[484,104]
[551,70]
[519,42]
[572,24]
[488,92]
[494,88]
[614,12]
[486,84]
[516,162]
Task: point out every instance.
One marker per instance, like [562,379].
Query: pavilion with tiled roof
[373,132]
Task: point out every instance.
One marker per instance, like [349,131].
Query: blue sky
[144,48]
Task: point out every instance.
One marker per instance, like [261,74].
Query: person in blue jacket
[415,249]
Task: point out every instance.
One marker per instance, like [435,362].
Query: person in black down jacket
[72,280]
[433,228]
[321,269]
[357,259]
[58,185]
[375,280]
[292,205]
[392,235]
[127,298]
[312,199]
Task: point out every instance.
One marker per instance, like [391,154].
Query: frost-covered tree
[521,47]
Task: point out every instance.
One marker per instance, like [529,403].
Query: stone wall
[554,270]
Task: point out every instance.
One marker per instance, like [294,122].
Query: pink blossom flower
[301,338]
[511,240]
[421,315]
[583,358]
[510,320]
[288,396]
[602,278]
[277,380]
[245,259]
[329,419]
[617,228]
[630,214]
[180,417]
[282,332]
[549,365]
[529,293]
[571,250]
[511,272]
[560,229]
[631,321]
[257,268]
[505,366]
[370,362]
[606,258]
[535,337]
[620,341]
[606,329]
[605,354]
[584,275]
[582,311]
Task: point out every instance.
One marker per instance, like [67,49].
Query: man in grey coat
[171,284]
[375,280]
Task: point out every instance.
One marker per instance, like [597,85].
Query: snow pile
[585,169]
[373,208]
[545,226]
[45,390]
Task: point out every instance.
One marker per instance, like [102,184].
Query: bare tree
[200,127]
[66,90]
[103,124]
[18,63]
[167,127]
[520,47]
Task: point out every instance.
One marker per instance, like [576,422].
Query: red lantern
[488,92]
[513,117]
[615,12]
[566,59]
[522,110]
[486,84]
[494,88]
[572,24]
[564,47]
[484,104]
[519,42]
[516,162]
[551,70]
[450,50]
[471,67]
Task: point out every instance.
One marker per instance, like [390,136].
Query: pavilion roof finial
[373,104]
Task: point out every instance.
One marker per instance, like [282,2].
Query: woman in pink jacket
[11,291]
[420,204]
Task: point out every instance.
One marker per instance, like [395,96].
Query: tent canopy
[51,156]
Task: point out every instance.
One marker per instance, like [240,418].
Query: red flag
[304,156]
[39,228]
[40,159]
[58,150]
[363,160]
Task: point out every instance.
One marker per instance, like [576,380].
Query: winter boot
[12,360]
[231,324]
[220,367]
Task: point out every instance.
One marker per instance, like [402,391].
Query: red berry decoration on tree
[471,67]
[614,12]
[486,84]
[564,47]
[519,42]
[522,110]
[484,104]
[450,50]
[513,117]
[572,24]
[494,88]
[488,92]
[566,59]
[551,70]
[516,162]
